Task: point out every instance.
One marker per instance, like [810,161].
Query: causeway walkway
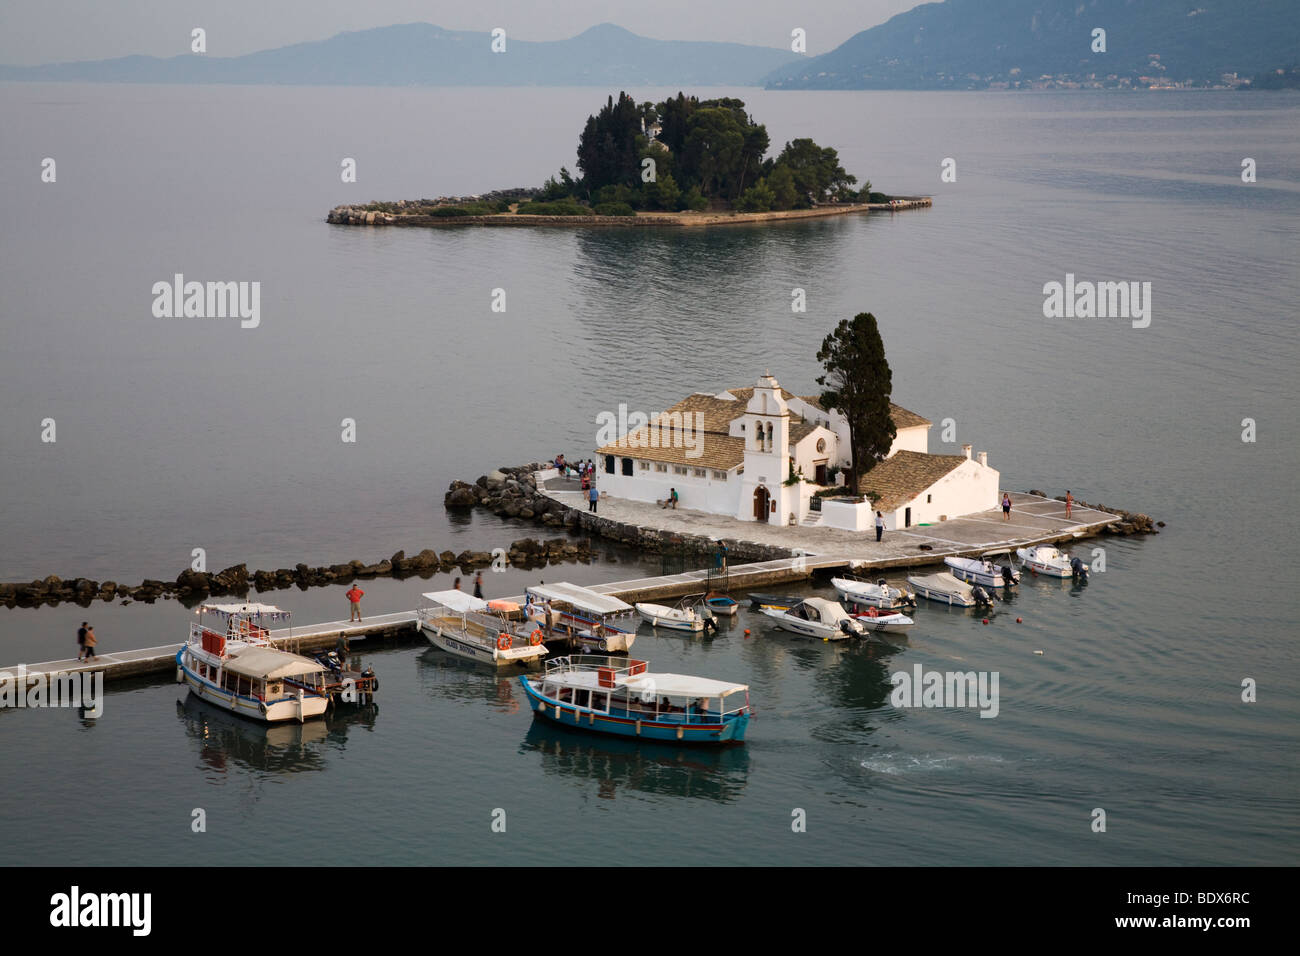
[1034,520]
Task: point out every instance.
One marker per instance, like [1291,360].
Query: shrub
[553,209]
[614,209]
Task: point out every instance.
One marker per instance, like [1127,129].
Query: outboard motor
[710,621]
[1007,578]
[981,596]
[847,626]
[1077,569]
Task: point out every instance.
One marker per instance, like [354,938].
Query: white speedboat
[867,594]
[676,618]
[816,617]
[892,623]
[983,571]
[946,589]
[1047,560]
[235,666]
[464,625]
[583,616]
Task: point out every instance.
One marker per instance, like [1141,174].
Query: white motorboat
[867,594]
[676,618]
[466,626]
[235,666]
[1047,560]
[586,617]
[816,617]
[946,589]
[891,623]
[983,571]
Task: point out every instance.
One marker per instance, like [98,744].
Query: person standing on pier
[354,595]
[1006,506]
[1069,502]
[478,585]
[91,641]
[880,526]
[81,641]
[593,496]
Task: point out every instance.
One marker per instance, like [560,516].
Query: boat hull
[873,597]
[886,623]
[823,632]
[730,730]
[943,597]
[981,577]
[656,619]
[444,640]
[283,709]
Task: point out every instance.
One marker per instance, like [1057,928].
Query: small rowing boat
[757,601]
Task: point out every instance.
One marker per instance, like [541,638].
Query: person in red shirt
[355,595]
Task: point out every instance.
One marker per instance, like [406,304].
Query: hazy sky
[46,31]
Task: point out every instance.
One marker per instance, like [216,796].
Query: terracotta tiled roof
[710,450]
[904,475]
[718,413]
[901,416]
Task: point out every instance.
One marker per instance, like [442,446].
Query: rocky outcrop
[1130,522]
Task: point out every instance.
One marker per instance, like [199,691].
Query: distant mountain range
[421,54]
[1018,44]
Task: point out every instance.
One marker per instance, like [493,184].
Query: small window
[701,473]
[609,464]
[627,466]
[643,465]
[929,498]
[659,467]
[678,470]
[719,476]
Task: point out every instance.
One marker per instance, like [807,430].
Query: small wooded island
[681,162]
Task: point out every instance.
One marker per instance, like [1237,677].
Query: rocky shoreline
[193,586]
[353,215]
[1130,522]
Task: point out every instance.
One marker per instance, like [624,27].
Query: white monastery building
[762,454]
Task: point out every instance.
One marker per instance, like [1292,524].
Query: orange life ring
[503,641]
[872,612]
[535,638]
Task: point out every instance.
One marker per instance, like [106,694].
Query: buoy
[747,632]
[1020,620]
[986,620]
[1038,652]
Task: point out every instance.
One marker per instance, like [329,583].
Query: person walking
[81,641]
[1069,502]
[880,525]
[1006,506]
[593,496]
[478,585]
[455,585]
[354,596]
[91,641]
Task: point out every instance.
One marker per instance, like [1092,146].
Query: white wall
[699,494]
[848,515]
[968,488]
[916,438]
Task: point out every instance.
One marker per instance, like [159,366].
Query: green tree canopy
[858,384]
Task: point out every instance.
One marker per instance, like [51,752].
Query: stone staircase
[812,519]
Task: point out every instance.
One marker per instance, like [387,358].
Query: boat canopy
[265,663]
[245,610]
[581,598]
[457,600]
[682,685]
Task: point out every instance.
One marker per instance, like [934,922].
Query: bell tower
[763,496]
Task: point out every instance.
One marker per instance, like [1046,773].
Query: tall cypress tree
[858,384]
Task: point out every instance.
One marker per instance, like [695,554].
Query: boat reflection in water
[455,678]
[660,769]
[225,739]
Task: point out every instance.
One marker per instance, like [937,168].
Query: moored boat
[757,601]
[879,595]
[235,666]
[816,617]
[946,589]
[620,696]
[466,626]
[1047,560]
[583,616]
[721,604]
[983,571]
[875,620]
[675,618]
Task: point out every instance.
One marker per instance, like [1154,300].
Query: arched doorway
[761,506]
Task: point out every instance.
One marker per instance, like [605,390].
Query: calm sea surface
[174,434]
